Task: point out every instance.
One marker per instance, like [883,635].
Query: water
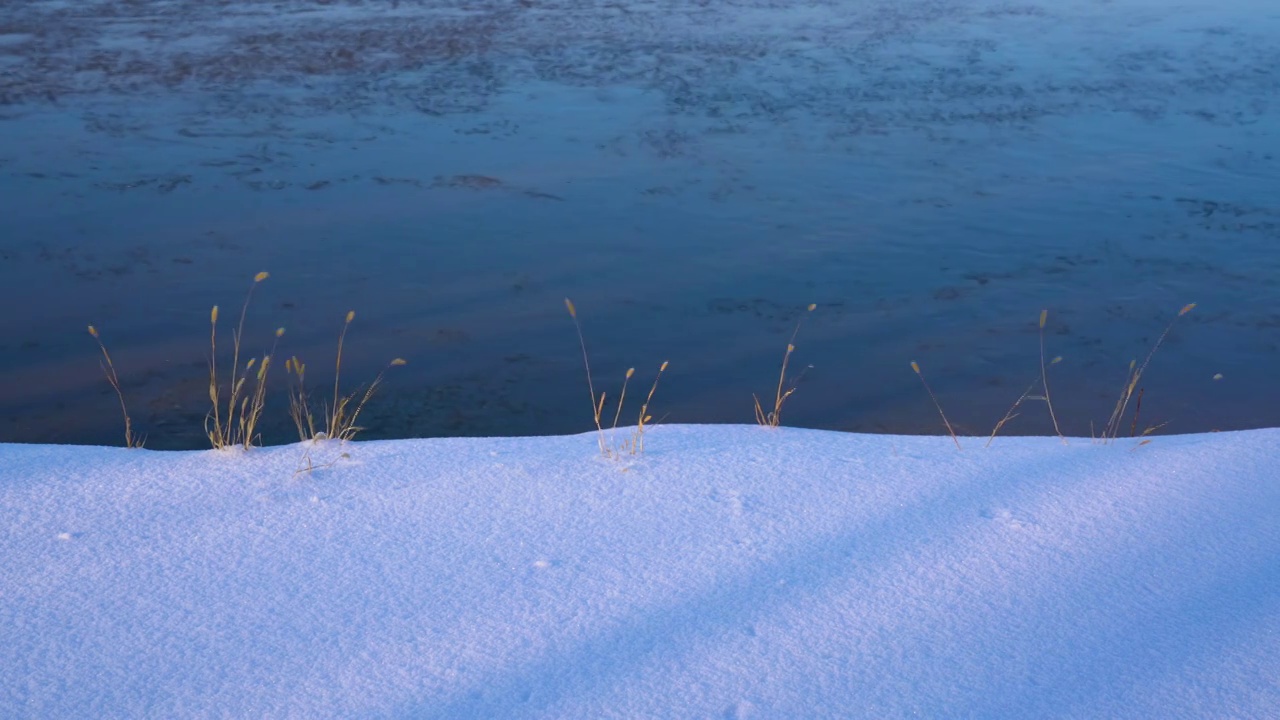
[931,174]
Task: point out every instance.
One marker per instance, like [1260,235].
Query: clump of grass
[637,437]
[916,367]
[597,407]
[1112,429]
[251,405]
[633,444]
[341,416]
[1042,380]
[109,370]
[342,425]
[308,465]
[773,418]
[299,409]
[227,431]
[609,447]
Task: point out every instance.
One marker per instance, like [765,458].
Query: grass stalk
[340,419]
[1044,379]
[622,399]
[251,407]
[109,370]
[299,409]
[610,446]
[228,431]
[916,367]
[349,429]
[1011,414]
[336,417]
[773,418]
[597,406]
[1137,411]
[637,438]
[1114,423]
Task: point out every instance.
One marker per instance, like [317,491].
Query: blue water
[931,174]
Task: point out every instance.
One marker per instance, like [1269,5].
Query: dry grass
[238,402]
[251,406]
[916,367]
[633,443]
[1042,380]
[596,406]
[109,370]
[637,437]
[299,409]
[308,465]
[773,418]
[341,415]
[1112,429]
[230,429]
[609,445]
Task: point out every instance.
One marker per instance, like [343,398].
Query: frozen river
[693,174]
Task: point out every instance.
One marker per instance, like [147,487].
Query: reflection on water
[931,174]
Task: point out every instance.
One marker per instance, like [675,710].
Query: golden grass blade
[637,440]
[1112,430]
[916,367]
[109,370]
[225,432]
[335,420]
[596,408]
[622,398]
[215,435]
[1044,380]
[774,419]
[1010,415]
[351,428]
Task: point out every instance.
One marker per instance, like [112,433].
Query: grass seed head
[663,368]
[213,315]
[93,331]
[398,361]
[279,332]
[351,315]
[915,366]
[1217,376]
[813,306]
[573,312]
[1186,309]
[261,276]
[630,372]
[1044,315]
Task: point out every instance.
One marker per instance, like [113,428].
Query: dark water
[932,174]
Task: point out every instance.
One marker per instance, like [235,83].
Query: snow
[729,572]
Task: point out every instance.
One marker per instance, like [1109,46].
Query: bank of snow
[729,572]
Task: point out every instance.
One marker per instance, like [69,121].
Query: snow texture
[730,572]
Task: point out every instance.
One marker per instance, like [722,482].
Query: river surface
[932,174]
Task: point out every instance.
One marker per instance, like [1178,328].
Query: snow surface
[729,572]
